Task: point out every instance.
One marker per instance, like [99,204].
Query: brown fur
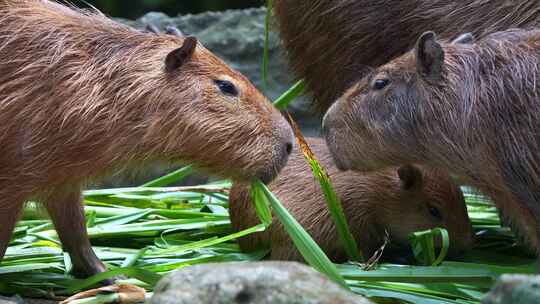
[81,95]
[332,43]
[372,203]
[471,109]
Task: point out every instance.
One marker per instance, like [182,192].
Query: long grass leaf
[309,249]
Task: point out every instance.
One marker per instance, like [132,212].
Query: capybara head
[399,101]
[115,93]
[397,200]
[214,116]
[466,107]
[423,199]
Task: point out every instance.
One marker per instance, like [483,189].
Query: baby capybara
[471,109]
[398,200]
[332,43]
[81,95]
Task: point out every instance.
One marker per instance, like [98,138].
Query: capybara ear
[429,57]
[411,177]
[151,28]
[181,55]
[173,30]
[466,38]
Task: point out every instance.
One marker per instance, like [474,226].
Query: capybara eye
[435,212]
[380,84]
[226,87]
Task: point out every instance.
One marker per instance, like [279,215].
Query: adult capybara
[398,200]
[332,43]
[81,95]
[471,109]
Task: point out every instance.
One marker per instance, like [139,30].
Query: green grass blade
[266,51]
[170,178]
[423,245]
[261,206]
[333,202]
[286,98]
[336,211]
[311,252]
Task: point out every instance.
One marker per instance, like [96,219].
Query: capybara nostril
[288,148]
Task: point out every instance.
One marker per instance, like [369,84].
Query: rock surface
[19,300]
[251,283]
[510,289]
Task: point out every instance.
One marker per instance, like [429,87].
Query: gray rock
[237,36]
[251,283]
[19,300]
[509,289]
[11,300]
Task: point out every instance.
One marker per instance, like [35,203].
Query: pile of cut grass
[146,232]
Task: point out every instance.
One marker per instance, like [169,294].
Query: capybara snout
[280,151]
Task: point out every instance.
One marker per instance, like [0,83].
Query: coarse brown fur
[81,95]
[332,43]
[471,109]
[373,203]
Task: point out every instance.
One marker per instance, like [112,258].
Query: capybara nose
[330,119]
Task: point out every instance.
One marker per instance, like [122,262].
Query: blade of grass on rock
[311,252]
[333,202]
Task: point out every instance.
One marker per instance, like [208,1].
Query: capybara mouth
[341,163]
[340,159]
[269,173]
[399,255]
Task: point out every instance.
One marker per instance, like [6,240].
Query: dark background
[133,9]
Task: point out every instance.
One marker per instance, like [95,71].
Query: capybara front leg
[67,214]
[9,213]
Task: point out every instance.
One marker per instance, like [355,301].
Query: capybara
[332,43]
[82,95]
[469,108]
[399,200]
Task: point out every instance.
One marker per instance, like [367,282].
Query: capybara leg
[67,214]
[8,217]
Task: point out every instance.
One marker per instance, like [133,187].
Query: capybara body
[471,109]
[396,200]
[81,95]
[332,43]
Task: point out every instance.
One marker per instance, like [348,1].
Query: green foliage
[311,252]
[146,232]
[423,246]
[286,98]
